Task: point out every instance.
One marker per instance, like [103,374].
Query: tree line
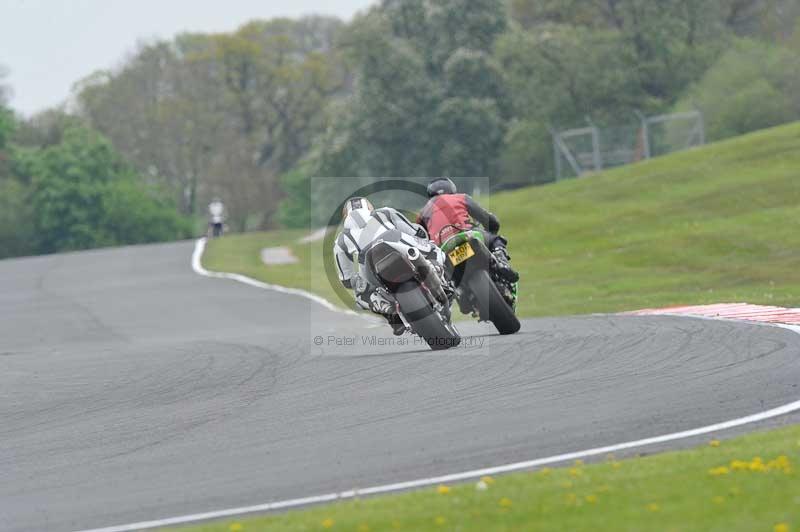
[407,88]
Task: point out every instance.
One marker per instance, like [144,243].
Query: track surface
[133,389]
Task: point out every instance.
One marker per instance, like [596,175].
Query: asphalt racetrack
[133,389]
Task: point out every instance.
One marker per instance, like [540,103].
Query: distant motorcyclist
[216,216]
[363,226]
[448,212]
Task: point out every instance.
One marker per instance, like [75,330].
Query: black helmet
[441,185]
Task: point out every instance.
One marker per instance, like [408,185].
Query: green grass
[716,224]
[673,491]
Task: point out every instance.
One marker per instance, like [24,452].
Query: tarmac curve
[132,389]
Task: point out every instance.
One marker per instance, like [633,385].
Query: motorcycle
[402,275]
[480,290]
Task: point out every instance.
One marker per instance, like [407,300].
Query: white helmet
[356,212]
[355,204]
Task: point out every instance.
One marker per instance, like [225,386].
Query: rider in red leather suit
[447,208]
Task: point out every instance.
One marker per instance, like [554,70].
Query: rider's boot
[502,264]
[463,304]
[398,327]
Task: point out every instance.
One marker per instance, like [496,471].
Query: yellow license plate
[461,253]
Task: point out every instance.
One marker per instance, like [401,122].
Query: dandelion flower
[591,499]
[718,471]
[757,465]
[714,443]
[653,507]
[781,527]
[575,472]
[363,527]
[780,463]
[740,465]
[443,490]
[545,471]
[327,523]
[440,520]
[236,527]
[505,502]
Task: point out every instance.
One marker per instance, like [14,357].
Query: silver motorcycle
[401,273]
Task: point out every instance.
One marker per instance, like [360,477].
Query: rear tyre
[425,321]
[491,305]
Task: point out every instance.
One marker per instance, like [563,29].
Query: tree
[295,209]
[222,115]
[557,78]
[753,86]
[7,126]
[84,195]
[421,64]
[602,59]
[668,43]
[15,227]
[4,89]
[7,122]
[771,20]
[16,231]
[467,130]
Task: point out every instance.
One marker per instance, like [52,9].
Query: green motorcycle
[488,296]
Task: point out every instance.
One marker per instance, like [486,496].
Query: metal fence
[593,148]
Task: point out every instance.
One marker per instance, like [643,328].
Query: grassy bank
[719,223]
[750,483]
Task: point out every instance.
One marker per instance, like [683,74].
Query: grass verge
[748,484]
[715,224]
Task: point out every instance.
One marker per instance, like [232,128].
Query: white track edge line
[197,266]
[464,475]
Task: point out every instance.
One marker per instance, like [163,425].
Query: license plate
[461,253]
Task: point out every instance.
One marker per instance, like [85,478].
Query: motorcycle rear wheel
[437,332]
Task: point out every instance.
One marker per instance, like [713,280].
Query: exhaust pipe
[427,274]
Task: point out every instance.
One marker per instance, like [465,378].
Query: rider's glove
[421,232]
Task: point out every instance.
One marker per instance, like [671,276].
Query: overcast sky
[47,45]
